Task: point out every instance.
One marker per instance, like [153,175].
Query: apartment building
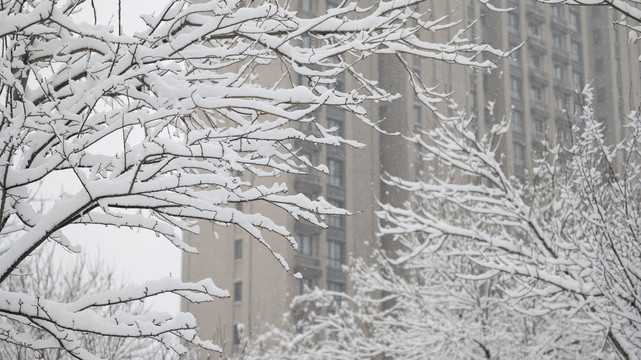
[561,48]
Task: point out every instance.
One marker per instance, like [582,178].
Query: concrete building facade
[560,49]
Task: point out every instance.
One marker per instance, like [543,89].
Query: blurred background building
[560,50]
[564,48]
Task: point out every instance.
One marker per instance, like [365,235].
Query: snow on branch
[563,241]
[161,129]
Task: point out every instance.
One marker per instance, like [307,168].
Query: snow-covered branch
[173,125]
[486,265]
[565,242]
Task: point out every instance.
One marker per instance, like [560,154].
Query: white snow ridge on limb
[155,130]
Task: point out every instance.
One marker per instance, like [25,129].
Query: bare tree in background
[489,267]
[566,243]
[53,279]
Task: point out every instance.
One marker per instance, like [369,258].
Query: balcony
[336,233]
[538,139]
[335,192]
[535,13]
[561,86]
[305,228]
[559,24]
[335,274]
[538,76]
[308,266]
[537,44]
[540,110]
[560,55]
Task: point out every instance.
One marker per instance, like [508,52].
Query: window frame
[516,93]
[336,221]
[305,245]
[238,291]
[519,155]
[336,172]
[238,249]
[335,254]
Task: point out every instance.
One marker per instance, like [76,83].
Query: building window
[561,134]
[536,93]
[238,249]
[416,65]
[600,94]
[335,221]
[558,71]
[333,123]
[559,101]
[330,4]
[535,61]
[417,115]
[517,59]
[574,20]
[335,286]
[335,256]
[335,176]
[515,87]
[305,5]
[538,125]
[304,284]
[599,65]
[575,51]
[534,29]
[577,81]
[340,82]
[472,100]
[470,20]
[517,121]
[519,155]
[578,110]
[513,22]
[306,41]
[303,80]
[487,114]
[418,163]
[305,244]
[238,330]
[238,291]
[556,11]
[557,41]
